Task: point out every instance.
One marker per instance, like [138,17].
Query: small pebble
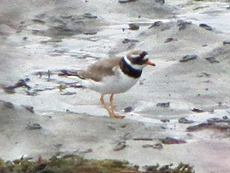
[218,120]
[31,93]
[204,74]
[205,26]
[141,82]
[123,125]
[185,121]
[170,40]
[9,105]
[183,24]
[208,125]
[226,42]
[143,139]
[157,23]
[225,117]
[134,26]
[90,16]
[169,140]
[212,60]
[66,16]
[29,108]
[111,127]
[68,93]
[197,110]
[38,21]
[163,104]
[188,58]
[90,32]
[9,90]
[125,1]
[27,79]
[128,109]
[34,126]
[120,146]
[165,120]
[126,40]
[182,27]
[156,146]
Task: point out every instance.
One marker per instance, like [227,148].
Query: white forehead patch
[146,57]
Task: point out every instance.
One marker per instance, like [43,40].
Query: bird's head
[138,59]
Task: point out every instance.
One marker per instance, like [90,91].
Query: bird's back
[100,69]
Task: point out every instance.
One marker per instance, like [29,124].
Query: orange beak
[150,63]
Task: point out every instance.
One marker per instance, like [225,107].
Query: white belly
[112,84]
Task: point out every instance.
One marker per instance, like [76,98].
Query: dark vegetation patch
[77,164]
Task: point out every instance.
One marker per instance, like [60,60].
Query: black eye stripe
[138,60]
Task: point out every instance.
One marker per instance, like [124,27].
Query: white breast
[114,84]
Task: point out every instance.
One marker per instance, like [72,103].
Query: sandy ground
[52,35]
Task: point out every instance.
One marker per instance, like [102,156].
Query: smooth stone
[128,109]
[126,40]
[125,1]
[163,104]
[188,58]
[170,140]
[185,121]
[9,105]
[212,60]
[205,26]
[226,42]
[134,26]
[157,23]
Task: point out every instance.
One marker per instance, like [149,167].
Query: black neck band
[128,70]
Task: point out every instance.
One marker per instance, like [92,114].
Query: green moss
[77,164]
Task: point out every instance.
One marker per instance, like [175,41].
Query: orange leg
[105,106]
[112,108]
[110,111]
[111,103]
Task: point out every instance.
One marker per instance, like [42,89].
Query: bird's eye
[138,60]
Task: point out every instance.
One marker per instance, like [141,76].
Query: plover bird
[114,75]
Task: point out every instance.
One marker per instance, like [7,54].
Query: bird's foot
[116,116]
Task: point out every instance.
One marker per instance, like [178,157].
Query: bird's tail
[69,73]
[75,75]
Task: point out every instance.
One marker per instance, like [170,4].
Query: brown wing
[100,69]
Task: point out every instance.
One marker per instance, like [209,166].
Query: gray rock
[128,109]
[125,1]
[185,121]
[134,26]
[205,26]
[9,105]
[188,58]
[163,104]
[170,140]
[226,42]
[212,60]
[120,146]
[157,23]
